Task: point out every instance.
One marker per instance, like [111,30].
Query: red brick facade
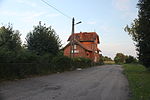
[85,45]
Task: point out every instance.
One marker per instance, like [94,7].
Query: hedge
[10,71]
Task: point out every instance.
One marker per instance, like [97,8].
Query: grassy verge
[139,81]
[109,62]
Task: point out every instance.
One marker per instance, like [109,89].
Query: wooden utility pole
[72,40]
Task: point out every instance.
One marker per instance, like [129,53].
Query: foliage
[106,58]
[101,60]
[140,32]
[130,59]
[119,58]
[22,56]
[81,62]
[10,44]
[25,56]
[29,64]
[20,70]
[62,63]
[43,40]
[9,39]
[41,55]
[133,30]
[139,81]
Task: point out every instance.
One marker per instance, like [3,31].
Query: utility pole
[73,20]
[72,38]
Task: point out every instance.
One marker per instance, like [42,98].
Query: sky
[106,17]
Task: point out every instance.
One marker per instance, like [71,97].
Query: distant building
[85,45]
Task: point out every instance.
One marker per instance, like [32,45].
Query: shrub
[21,70]
[119,58]
[130,59]
[43,39]
[7,56]
[81,62]
[62,63]
[25,56]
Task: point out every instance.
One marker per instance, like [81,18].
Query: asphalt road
[97,83]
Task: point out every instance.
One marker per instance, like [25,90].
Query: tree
[133,30]
[106,58]
[140,32]
[9,38]
[10,43]
[43,40]
[130,59]
[119,58]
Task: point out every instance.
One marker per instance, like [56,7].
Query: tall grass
[139,81]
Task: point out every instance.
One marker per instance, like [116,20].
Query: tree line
[139,30]
[119,58]
[41,54]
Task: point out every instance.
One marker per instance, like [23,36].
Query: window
[75,46]
[87,54]
[75,51]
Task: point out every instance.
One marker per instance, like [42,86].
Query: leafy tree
[140,32]
[43,40]
[130,59]
[133,30]
[101,60]
[119,58]
[9,38]
[106,58]
[10,44]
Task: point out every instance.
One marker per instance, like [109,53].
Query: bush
[130,59]
[25,56]
[119,58]
[43,40]
[21,70]
[62,63]
[81,62]
[26,63]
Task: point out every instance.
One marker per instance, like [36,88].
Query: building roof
[78,43]
[85,36]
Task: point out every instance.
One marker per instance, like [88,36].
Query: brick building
[85,45]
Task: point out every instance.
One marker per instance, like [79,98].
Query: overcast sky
[106,17]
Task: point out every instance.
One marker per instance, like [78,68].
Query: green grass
[109,62]
[139,81]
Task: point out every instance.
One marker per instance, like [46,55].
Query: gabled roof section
[85,37]
[78,43]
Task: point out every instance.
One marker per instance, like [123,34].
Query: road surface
[97,83]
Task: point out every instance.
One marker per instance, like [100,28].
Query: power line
[56,9]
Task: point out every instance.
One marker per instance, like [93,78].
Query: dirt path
[97,83]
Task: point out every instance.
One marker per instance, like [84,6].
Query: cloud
[92,22]
[126,7]
[110,49]
[27,2]
[122,5]
[52,15]
[1,1]
[106,29]
[27,15]
[8,13]
[31,16]
[28,18]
